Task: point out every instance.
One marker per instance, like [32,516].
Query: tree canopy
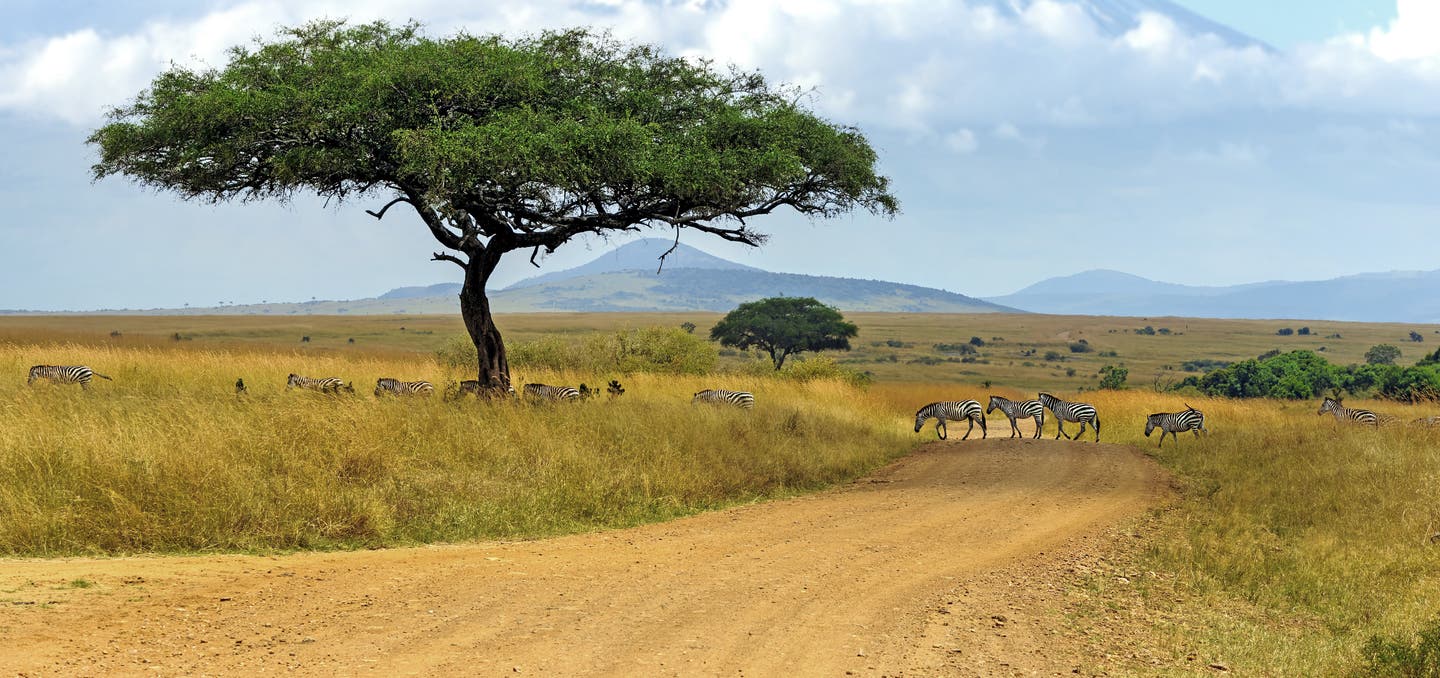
[497,143]
[784,326]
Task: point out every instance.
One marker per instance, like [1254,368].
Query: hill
[1399,296]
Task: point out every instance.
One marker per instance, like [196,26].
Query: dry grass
[167,458]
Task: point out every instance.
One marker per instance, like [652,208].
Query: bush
[1417,657]
[1146,330]
[1108,354]
[978,342]
[962,349]
[1382,354]
[1285,331]
[1054,356]
[1416,336]
[1204,365]
[1304,331]
[1112,378]
[1081,346]
[822,367]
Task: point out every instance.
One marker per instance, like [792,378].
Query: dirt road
[885,576]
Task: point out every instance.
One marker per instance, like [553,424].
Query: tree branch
[667,252]
[388,205]
[440,256]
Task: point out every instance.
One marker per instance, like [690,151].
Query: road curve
[839,581]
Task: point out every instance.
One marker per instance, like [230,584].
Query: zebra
[1067,411]
[741,399]
[1173,423]
[1428,422]
[65,374]
[551,393]
[955,411]
[472,387]
[240,386]
[385,385]
[1018,410]
[1332,406]
[330,385]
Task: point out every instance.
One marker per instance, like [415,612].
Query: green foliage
[1146,330]
[1203,365]
[1112,378]
[1081,346]
[1416,336]
[1382,354]
[1285,331]
[977,342]
[1432,359]
[1304,331]
[1054,356]
[647,350]
[1417,657]
[784,326]
[688,326]
[1302,375]
[962,349]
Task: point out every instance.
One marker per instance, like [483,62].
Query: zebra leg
[984,430]
[940,429]
[1014,428]
[1039,425]
[968,430]
[1096,424]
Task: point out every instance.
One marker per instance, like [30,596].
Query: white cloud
[962,141]
[907,64]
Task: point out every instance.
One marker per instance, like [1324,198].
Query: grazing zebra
[1173,423]
[65,374]
[1428,422]
[239,386]
[324,385]
[551,393]
[396,387]
[1018,410]
[1332,406]
[741,399]
[1067,411]
[954,411]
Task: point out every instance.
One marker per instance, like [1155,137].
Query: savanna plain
[1288,545]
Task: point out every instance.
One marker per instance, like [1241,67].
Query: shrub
[1416,336]
[1112,378]
[1304,331]
[1108,354]
[1285,331]
[823,367]
[688,326]
[662,350]
[1382,354]
[978,342]
[1417,657]
[1163,330]
[1081,346]
[1054,356]
[1203,365]
[962,349]
[1146,330]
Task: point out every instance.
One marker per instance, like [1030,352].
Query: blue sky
[1023,144]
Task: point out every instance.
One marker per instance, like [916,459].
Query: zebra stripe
[1018,410]
[1428,422]
[1067,411]
[65,374]
[741,399]
[1173,423]
[330,385]
[1342,414]
[551,393]
[956,410]
[397,387]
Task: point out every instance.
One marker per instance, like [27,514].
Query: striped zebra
[1067,411]
[741,399]
[1427,422]
[551,393]
[386,385]
[1173,423]
[65,374]
[1018,410]
[1342,414]
[331,385]
[953,411]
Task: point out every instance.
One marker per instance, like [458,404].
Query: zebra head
[1151,422]
[1328,406]
[991,407]
[698,394]
[292,380]
[921,416]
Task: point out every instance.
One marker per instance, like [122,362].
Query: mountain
[1398,296]
[1118,17]
[641,255]
[440,290]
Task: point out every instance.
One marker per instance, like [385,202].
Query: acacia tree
[784,326]
[498,144]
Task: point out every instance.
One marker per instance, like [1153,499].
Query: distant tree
[1285,331]
[1304,331]
[784,326]
[1147,330]
[1081,346]
[1112,378]
[1382,354]
[1416,336]
[1432,359]
[977,342]
[497,144]
[688,326]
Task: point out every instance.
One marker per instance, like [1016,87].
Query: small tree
[1112,378]
[1416,336]
[784,326]
[1285,331]
[977,341]
[1304,331]
[496,144]
[1382,354]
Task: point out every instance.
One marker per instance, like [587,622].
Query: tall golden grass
[168,458]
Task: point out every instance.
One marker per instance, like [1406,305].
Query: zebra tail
[102,376]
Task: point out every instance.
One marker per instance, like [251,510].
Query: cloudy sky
[1204,142]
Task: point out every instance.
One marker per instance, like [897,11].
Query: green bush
[1112,378]
[1081,346]
[1417,657]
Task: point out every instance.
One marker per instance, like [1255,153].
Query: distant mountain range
[1115,18]
[1399,296]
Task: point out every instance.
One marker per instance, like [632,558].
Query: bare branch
[667,252]
[533,253]
[440,256]
[388,205]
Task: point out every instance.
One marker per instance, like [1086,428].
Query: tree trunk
[494,369]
